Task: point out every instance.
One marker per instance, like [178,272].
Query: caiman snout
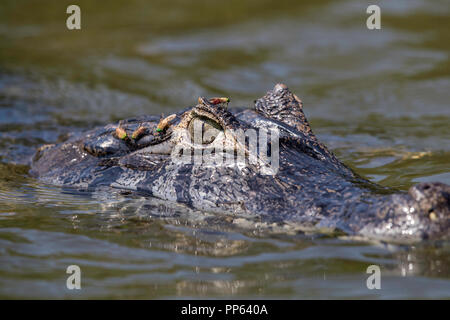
[433,200]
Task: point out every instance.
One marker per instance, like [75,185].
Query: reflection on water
[379,99]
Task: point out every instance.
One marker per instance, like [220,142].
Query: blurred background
[378,98]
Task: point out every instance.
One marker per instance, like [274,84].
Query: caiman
[284,173]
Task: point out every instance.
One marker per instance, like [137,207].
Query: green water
[378,99]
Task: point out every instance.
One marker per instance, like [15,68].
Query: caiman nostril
[431,198]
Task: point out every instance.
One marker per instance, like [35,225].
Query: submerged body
[308,185]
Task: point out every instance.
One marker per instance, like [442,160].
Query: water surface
[378,99]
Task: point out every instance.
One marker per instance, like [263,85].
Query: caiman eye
[204,130]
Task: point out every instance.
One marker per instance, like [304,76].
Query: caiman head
[264,161]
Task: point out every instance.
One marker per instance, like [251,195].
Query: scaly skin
[312,187]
